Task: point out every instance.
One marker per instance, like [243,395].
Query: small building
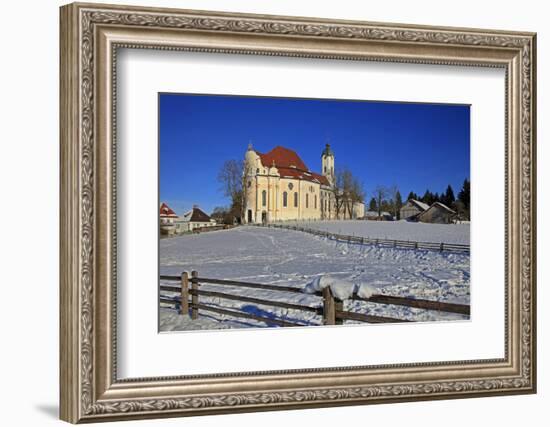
[412,209]
[194,219]
[373,216]
[438,213]
[167,220]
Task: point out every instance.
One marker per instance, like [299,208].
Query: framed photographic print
[265,212]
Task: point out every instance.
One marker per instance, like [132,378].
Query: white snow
[364,290]
[292,258]
[171,320]
[400,230]
[341,289]
[423,205]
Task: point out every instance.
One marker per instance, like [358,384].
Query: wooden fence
[187,295]
[208,228]
[391,243]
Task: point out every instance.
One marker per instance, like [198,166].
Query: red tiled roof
[283,158]
[290,165]
[166,211]
[321,178]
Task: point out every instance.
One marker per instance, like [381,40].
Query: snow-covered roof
[441,205]
[421,205]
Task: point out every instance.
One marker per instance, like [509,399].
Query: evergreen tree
[464,198]
[398,204]
[464,194]
[428,197]
[372,205]
[412,195]
[449,197]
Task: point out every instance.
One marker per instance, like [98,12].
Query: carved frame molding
[90,36]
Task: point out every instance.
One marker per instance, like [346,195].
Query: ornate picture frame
[90,37]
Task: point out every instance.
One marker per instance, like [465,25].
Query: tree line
[389,199]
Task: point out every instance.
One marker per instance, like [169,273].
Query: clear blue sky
[413,146]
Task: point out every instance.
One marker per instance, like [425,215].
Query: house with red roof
[167,219]
[278,186]
[171,223]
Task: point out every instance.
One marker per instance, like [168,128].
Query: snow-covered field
[401,230]
[293,258]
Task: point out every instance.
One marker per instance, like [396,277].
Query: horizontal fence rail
[257,301]
[390,243]
[329,308]
[446,307]
[360,317]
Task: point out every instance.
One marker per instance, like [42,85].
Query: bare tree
[338,194]
[380,194]
[222,215]
[357,192]
[395,200]
[230,177]
[347,191]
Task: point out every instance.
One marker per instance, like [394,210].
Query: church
[278,186]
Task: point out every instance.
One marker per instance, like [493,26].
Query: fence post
[329,307]
[194,297]
[441,247]
[185,293]
[338,306]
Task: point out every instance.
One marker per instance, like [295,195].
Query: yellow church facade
[278,186]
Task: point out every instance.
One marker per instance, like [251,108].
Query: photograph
[280,212]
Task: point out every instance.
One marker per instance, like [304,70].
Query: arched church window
[285,196]
[264,198]
[295,200]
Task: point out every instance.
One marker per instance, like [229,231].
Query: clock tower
[327,160]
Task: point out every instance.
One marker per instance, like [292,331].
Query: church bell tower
[327,159]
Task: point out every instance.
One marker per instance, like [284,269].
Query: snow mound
[341,289]
[365,290]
